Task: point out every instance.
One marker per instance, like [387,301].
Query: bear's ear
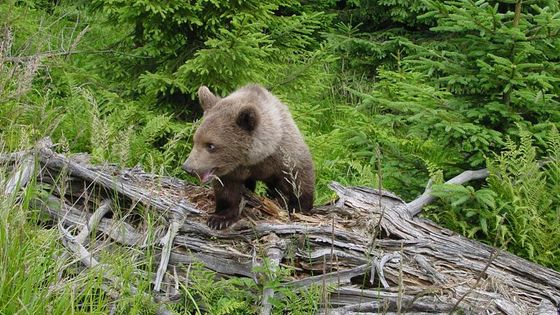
[207,99]
[247,119]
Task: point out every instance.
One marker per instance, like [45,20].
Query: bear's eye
[210,147]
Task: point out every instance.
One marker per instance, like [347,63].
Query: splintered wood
[366,250]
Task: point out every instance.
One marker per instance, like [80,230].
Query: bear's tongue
[206,176]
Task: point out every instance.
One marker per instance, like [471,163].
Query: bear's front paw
[220,222]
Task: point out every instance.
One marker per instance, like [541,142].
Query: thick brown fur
[246,137]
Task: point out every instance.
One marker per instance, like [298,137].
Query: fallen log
[366,250]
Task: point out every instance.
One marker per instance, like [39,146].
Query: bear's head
[236,131]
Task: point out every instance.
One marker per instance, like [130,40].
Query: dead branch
[89,261]
[275,252]
[93,221]
[167,243]
[22,175]
[415,206]
[110,183]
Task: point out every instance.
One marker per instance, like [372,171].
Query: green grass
[30,259]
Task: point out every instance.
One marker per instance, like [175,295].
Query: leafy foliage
[375,15]
[241,295]
[448,96]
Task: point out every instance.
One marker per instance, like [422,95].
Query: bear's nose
[187,168]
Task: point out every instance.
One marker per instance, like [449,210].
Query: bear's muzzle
[203,176]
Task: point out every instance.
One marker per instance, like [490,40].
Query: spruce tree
[173,47]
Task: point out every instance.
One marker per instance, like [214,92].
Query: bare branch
[22,176]
[167,242]
[275,253]
[426,198]
[94,220]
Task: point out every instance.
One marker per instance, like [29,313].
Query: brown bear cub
[245,137]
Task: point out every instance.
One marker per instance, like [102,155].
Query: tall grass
[38,278]
[30,260]
[35,276]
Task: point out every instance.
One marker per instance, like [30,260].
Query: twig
[275,252]
[342,276]
[90,262]
[22,176]
[331,258]
[94,220]
[375,265]
[517,15]
[117,230]
[386,258]
[415,206]
[167,242]
[78,38]
[401,288]
[50,54]
[437,277]
[76,248]
[324,292]
[91,225]
[377,227]
[377,268]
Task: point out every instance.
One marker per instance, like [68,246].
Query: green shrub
[174,47]
[519,210]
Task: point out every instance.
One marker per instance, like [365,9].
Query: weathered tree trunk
[380,258]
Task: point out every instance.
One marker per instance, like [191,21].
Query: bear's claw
[220,222]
